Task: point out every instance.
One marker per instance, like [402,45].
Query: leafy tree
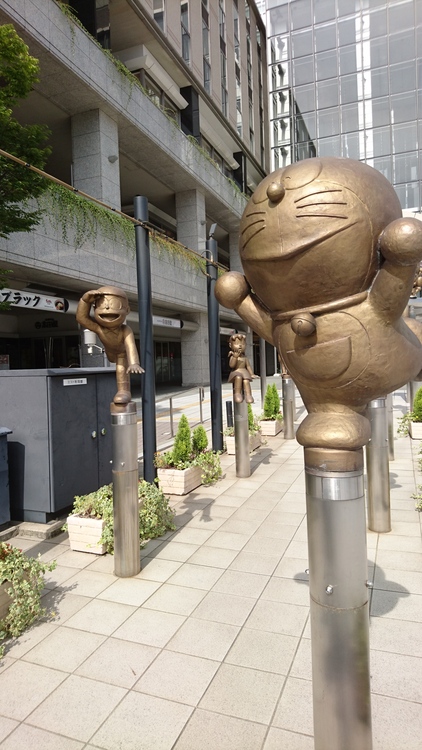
[18,73]
[182,449]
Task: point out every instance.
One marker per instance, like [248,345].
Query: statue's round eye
[276,191]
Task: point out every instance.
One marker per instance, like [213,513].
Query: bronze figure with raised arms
[111,308]
[329,266]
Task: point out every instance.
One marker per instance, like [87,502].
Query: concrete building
[191,137]
[345,79]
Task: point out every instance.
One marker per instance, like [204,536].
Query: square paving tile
[196,576]
[89,582]
[206,729]
[288,591]
[102,564]
[180,600]
[214,556]
[397,560]
[398,636]
[129,591]
[64,649]
[217,607]
[257,649]
[395,724]
[143,722]
[294,711]
[244,693]
[242,584]
[302,665]
[252,562]
[227,540]
[291,567]
[398,580]
[264,546]
[6,727]
[60,605]
[17,647]
[73,559]
[77,707]
[155,569]
[210,640]
[26,736]
[100,616]
[178,677]
[178,551]
[399,543]
[396,675]
[150,627]
[24,686]
[398,606]
[280,738]
[240,526]
[118,662]
[59,575]
[190,535]
[278,617]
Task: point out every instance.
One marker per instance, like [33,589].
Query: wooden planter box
[415,430]
[270,427]
[4,599]
[179,481]
[85,534]
[254,443]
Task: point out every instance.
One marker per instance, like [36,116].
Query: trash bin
[4,477]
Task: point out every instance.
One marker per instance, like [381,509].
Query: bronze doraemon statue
[329,266]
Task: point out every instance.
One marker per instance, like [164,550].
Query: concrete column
[195,356]
[235,264]
[191,219]
[95,146]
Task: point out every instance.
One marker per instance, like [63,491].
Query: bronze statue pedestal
[127,557]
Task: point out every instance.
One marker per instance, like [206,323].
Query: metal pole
[143,267]
[288,393]
[127,557]
[241,440]
[171,416]
[229,413]
[201,398]
[377,467]
[214,349]
[262,370]
[412,391]
[390,422]
[339,601]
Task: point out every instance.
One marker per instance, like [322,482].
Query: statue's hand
[135,370]
[91,296]
[231,289]
[401,242]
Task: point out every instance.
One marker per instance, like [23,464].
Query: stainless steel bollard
[377,468]
[241,440]
[288,393]
[339,608]
[390,424]
[127,556]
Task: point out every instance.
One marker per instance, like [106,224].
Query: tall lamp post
[214,343]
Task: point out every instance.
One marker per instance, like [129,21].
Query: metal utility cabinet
[4,478]
[61,444]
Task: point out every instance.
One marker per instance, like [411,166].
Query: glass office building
[345,79]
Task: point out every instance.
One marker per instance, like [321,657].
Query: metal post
[127,557]
[229,413]
[201,398]
[377,467]
[339,601]
[262,370]
[288,393]
[390,422]
[241,440]
[171,416]
[214,348]
[143,267]
[412,391]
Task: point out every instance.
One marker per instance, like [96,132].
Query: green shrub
[182,449]
[199,440]
[276,399]
[411,416]
[271,403]
[253,425]
[155,514]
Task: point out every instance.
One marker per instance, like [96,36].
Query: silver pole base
[378,469]
[127,556]
[241,440]
[390,424]
[339,609]
[288,393]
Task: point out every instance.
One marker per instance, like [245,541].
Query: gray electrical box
[61,445]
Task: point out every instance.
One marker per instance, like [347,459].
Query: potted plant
[254,434]
[155,518]
[189,464]
[271,420]
[21,584]
[411,423]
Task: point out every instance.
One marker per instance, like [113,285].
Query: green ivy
[24,576]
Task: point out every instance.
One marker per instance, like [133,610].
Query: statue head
[309,233]
[237,343]
[112,307]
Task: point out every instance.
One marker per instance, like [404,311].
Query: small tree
[269,403]
[417,407]
[182,450]
[276,400]
[199,440]
[18,74]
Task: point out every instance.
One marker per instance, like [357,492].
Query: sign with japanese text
[33,301]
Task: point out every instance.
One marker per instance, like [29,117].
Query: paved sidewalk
[208,648]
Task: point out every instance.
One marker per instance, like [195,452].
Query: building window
[222,19]
[239,121]
[206,47]
[223,58]
[184,21]
[217,158]
[158,10]
[158,96]
[236,35]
